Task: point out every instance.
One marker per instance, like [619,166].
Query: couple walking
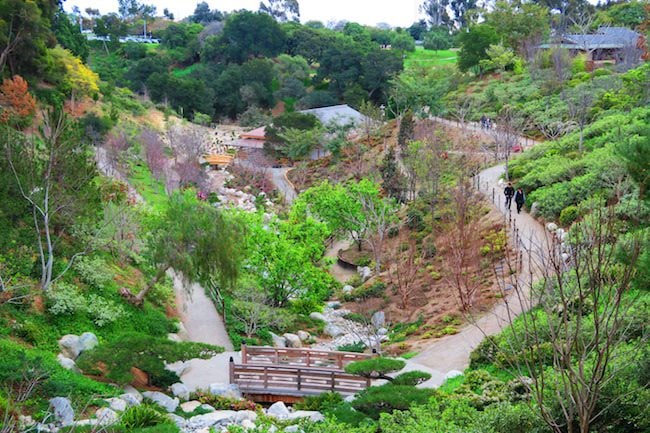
[520,197]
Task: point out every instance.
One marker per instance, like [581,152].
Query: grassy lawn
[422,57]
[152,190]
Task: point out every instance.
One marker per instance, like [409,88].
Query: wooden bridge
[269,374]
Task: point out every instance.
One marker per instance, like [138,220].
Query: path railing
[296,357]
[293,381]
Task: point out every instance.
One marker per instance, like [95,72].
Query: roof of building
[340,114]
[605,37]
[255,134]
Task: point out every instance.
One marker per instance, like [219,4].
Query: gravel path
[279,176]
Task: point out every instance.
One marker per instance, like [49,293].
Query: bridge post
[232,370]
[244,355]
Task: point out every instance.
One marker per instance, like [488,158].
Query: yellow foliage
[79,78]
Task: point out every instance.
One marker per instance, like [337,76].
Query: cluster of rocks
[291,340]
[74,345]
[230,197]
[209,420]
[344,331]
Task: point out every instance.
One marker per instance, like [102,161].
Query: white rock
[292,429]
[117,404]
[313,415]
[166,402]
[382,331]
[244,415]
[70,346]
[364,272]
[278,341]
[453,373]
[225,390]
[333,305]
[534,209]
[190,406]
[303,335]
[207,407]
[278,410]
[292,340]
[130,399]
[318,316]
[88,341]
[551,227]
[210,419]
[128,389]
[378,319]
[179,367]
[67,363]
[106,416]
[62,410]
[181,391]
[248,424]
[350,398]
[178,420]
[332,330]
[347,289]
[86,422]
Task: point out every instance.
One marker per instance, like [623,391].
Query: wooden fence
[321,359]
[279,380]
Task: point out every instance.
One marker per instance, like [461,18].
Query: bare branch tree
[404,272]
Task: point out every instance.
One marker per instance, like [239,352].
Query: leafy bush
[374,290]
[115,359]
[358,347]
[141,416]
[224,403]
[102,311]
[375,367]
[568,215]
[65,299]
[411,378]
[376,400]
[93,271]
[321,402]
[415,219]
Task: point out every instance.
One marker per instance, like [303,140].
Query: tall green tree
[247,34]
[474,44]
[460,8]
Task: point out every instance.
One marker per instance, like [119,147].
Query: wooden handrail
[300,357]
[291,380]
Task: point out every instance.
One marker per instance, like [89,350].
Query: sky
[401,13]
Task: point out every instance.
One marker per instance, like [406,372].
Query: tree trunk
[138,299]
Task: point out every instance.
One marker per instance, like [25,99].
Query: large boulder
[70,346]
[128,389]
[67,363]
[117,404]
[332,330]
[190,406]
[534,209]
[166,402]
[292,340]
[318,316]
[131,399]
[347,289]
[209,419]
[62,410]
[278,341]
[227,390]
[278,410]
[243,415]
[181,391]
[312,415]
[88,341]
[303,335]
[364,272]
[378,319]
[106,416]
[178,367]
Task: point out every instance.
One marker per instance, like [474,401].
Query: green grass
[152,190]
[409,355]
[422,57]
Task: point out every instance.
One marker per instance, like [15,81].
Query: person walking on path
[509,191]
[520,199]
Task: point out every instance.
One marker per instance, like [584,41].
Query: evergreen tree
[392,180]
[406,130]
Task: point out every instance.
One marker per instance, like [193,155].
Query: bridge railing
[291,380]
[296,357]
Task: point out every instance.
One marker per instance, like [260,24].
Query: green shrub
[429,248]
[568,215]
[224,403]
[358,347]
[415,219]
[411,378]
[354,281]
[376,400]
[93,271]
[141,416]
[116,358]
[65,299]
[374,290]
[102,311]
[375,367]
[321,402]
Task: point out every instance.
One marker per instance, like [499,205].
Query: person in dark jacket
[509,191]
[520,199]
